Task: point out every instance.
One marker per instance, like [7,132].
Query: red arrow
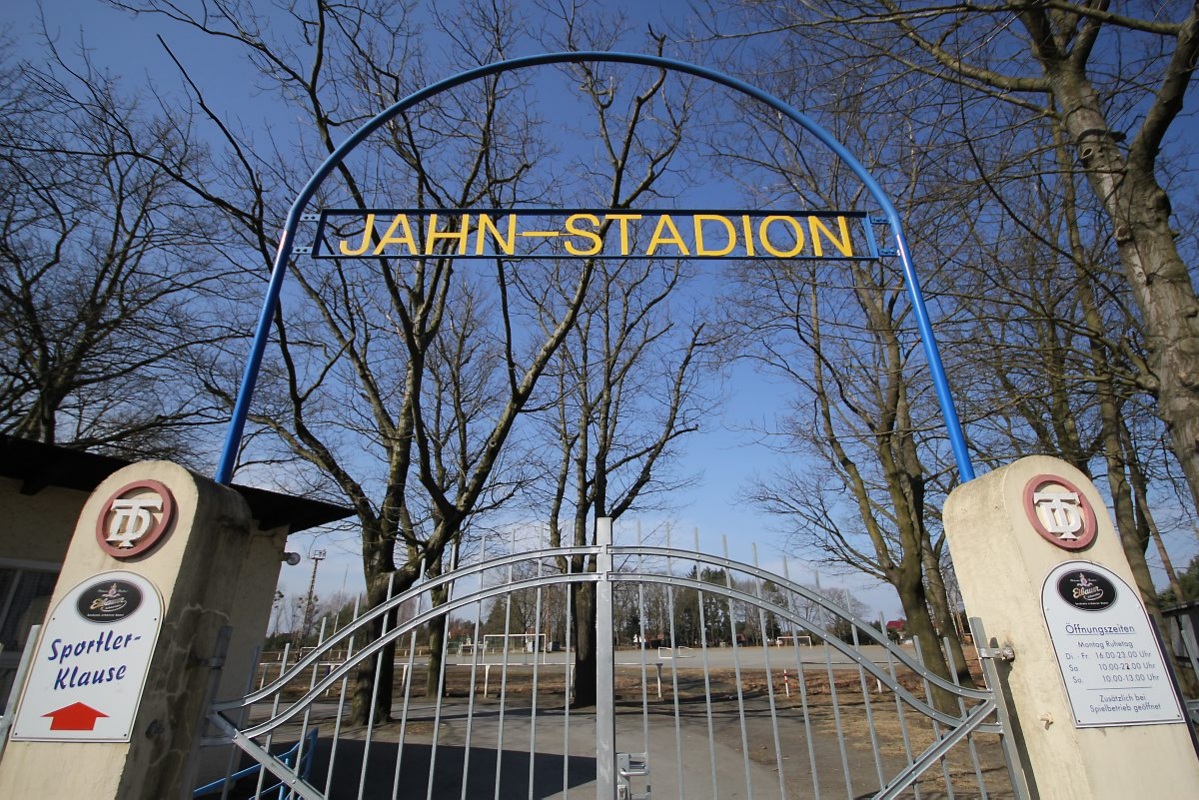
[75,717]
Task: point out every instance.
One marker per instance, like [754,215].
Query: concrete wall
[37,527]
[1002,563]
[213,569]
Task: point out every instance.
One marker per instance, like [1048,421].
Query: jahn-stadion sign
[540,233]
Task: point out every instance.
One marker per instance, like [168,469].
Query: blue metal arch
[241,407]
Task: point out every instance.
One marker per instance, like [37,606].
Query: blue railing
[287,758]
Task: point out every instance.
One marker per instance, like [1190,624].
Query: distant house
[897,630]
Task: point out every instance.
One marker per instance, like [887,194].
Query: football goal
[791,641]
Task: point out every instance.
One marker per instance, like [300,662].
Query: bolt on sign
[86,679]
[593,233]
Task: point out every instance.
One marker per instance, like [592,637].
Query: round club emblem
[1060,512]
[109,601]
[135,518]
[1086,590]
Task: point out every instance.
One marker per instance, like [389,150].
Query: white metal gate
[729,681]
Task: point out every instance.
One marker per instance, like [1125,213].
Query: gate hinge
[1005,653]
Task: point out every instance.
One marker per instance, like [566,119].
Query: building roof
[38,466]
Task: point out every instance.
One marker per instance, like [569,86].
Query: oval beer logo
[1086,590]
[109,601]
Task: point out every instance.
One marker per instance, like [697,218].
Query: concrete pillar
[1040,563]
[192,550]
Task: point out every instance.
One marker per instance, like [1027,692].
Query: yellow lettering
[366,236]
[436,236]
[675,238]
[844,245]
[749,236]
[571,228]
[768,246]
[730,232]
[504,246]
[623,219]
[400,223]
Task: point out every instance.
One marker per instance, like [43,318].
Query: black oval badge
[109,601]
[1086,590]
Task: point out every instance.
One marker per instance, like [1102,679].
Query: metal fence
[714,679]
[1182,622]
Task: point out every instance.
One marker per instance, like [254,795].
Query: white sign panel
[86,680]
[1106,649]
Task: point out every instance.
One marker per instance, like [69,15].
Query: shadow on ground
[550,772]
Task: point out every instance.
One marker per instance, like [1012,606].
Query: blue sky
[725,455]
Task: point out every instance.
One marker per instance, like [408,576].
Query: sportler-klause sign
[86,679]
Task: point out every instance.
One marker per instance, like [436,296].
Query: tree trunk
[437,597]
[920,625]
[1139,210]
[938,601]
[378,671]
[583,606]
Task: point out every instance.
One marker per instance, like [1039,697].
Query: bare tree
[399,382]
[859,493]
[1115,82]
[628,391]
[105,282]
[866,464]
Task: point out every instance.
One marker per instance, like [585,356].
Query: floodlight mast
[237,421]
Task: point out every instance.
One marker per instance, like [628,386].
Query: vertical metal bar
[802,680]
[568,665]
[832,688]
[953,673]
[320,641]
[445,660]
[903,724]
[370,721]
[703,647]
[878,762]
[605,707]
[774,717]
[274,711]
[641,635]
[674,675]
[928,695]
[499,744]
[728,583]
[406,681]
[234,751]
[474,671]
[341,706]
[1015,766]
[533,708]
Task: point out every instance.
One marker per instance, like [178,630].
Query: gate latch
[1005,653]
[631,765]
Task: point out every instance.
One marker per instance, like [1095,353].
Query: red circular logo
[1060,512]
[134,518]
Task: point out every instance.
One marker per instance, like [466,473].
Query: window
[25,589]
